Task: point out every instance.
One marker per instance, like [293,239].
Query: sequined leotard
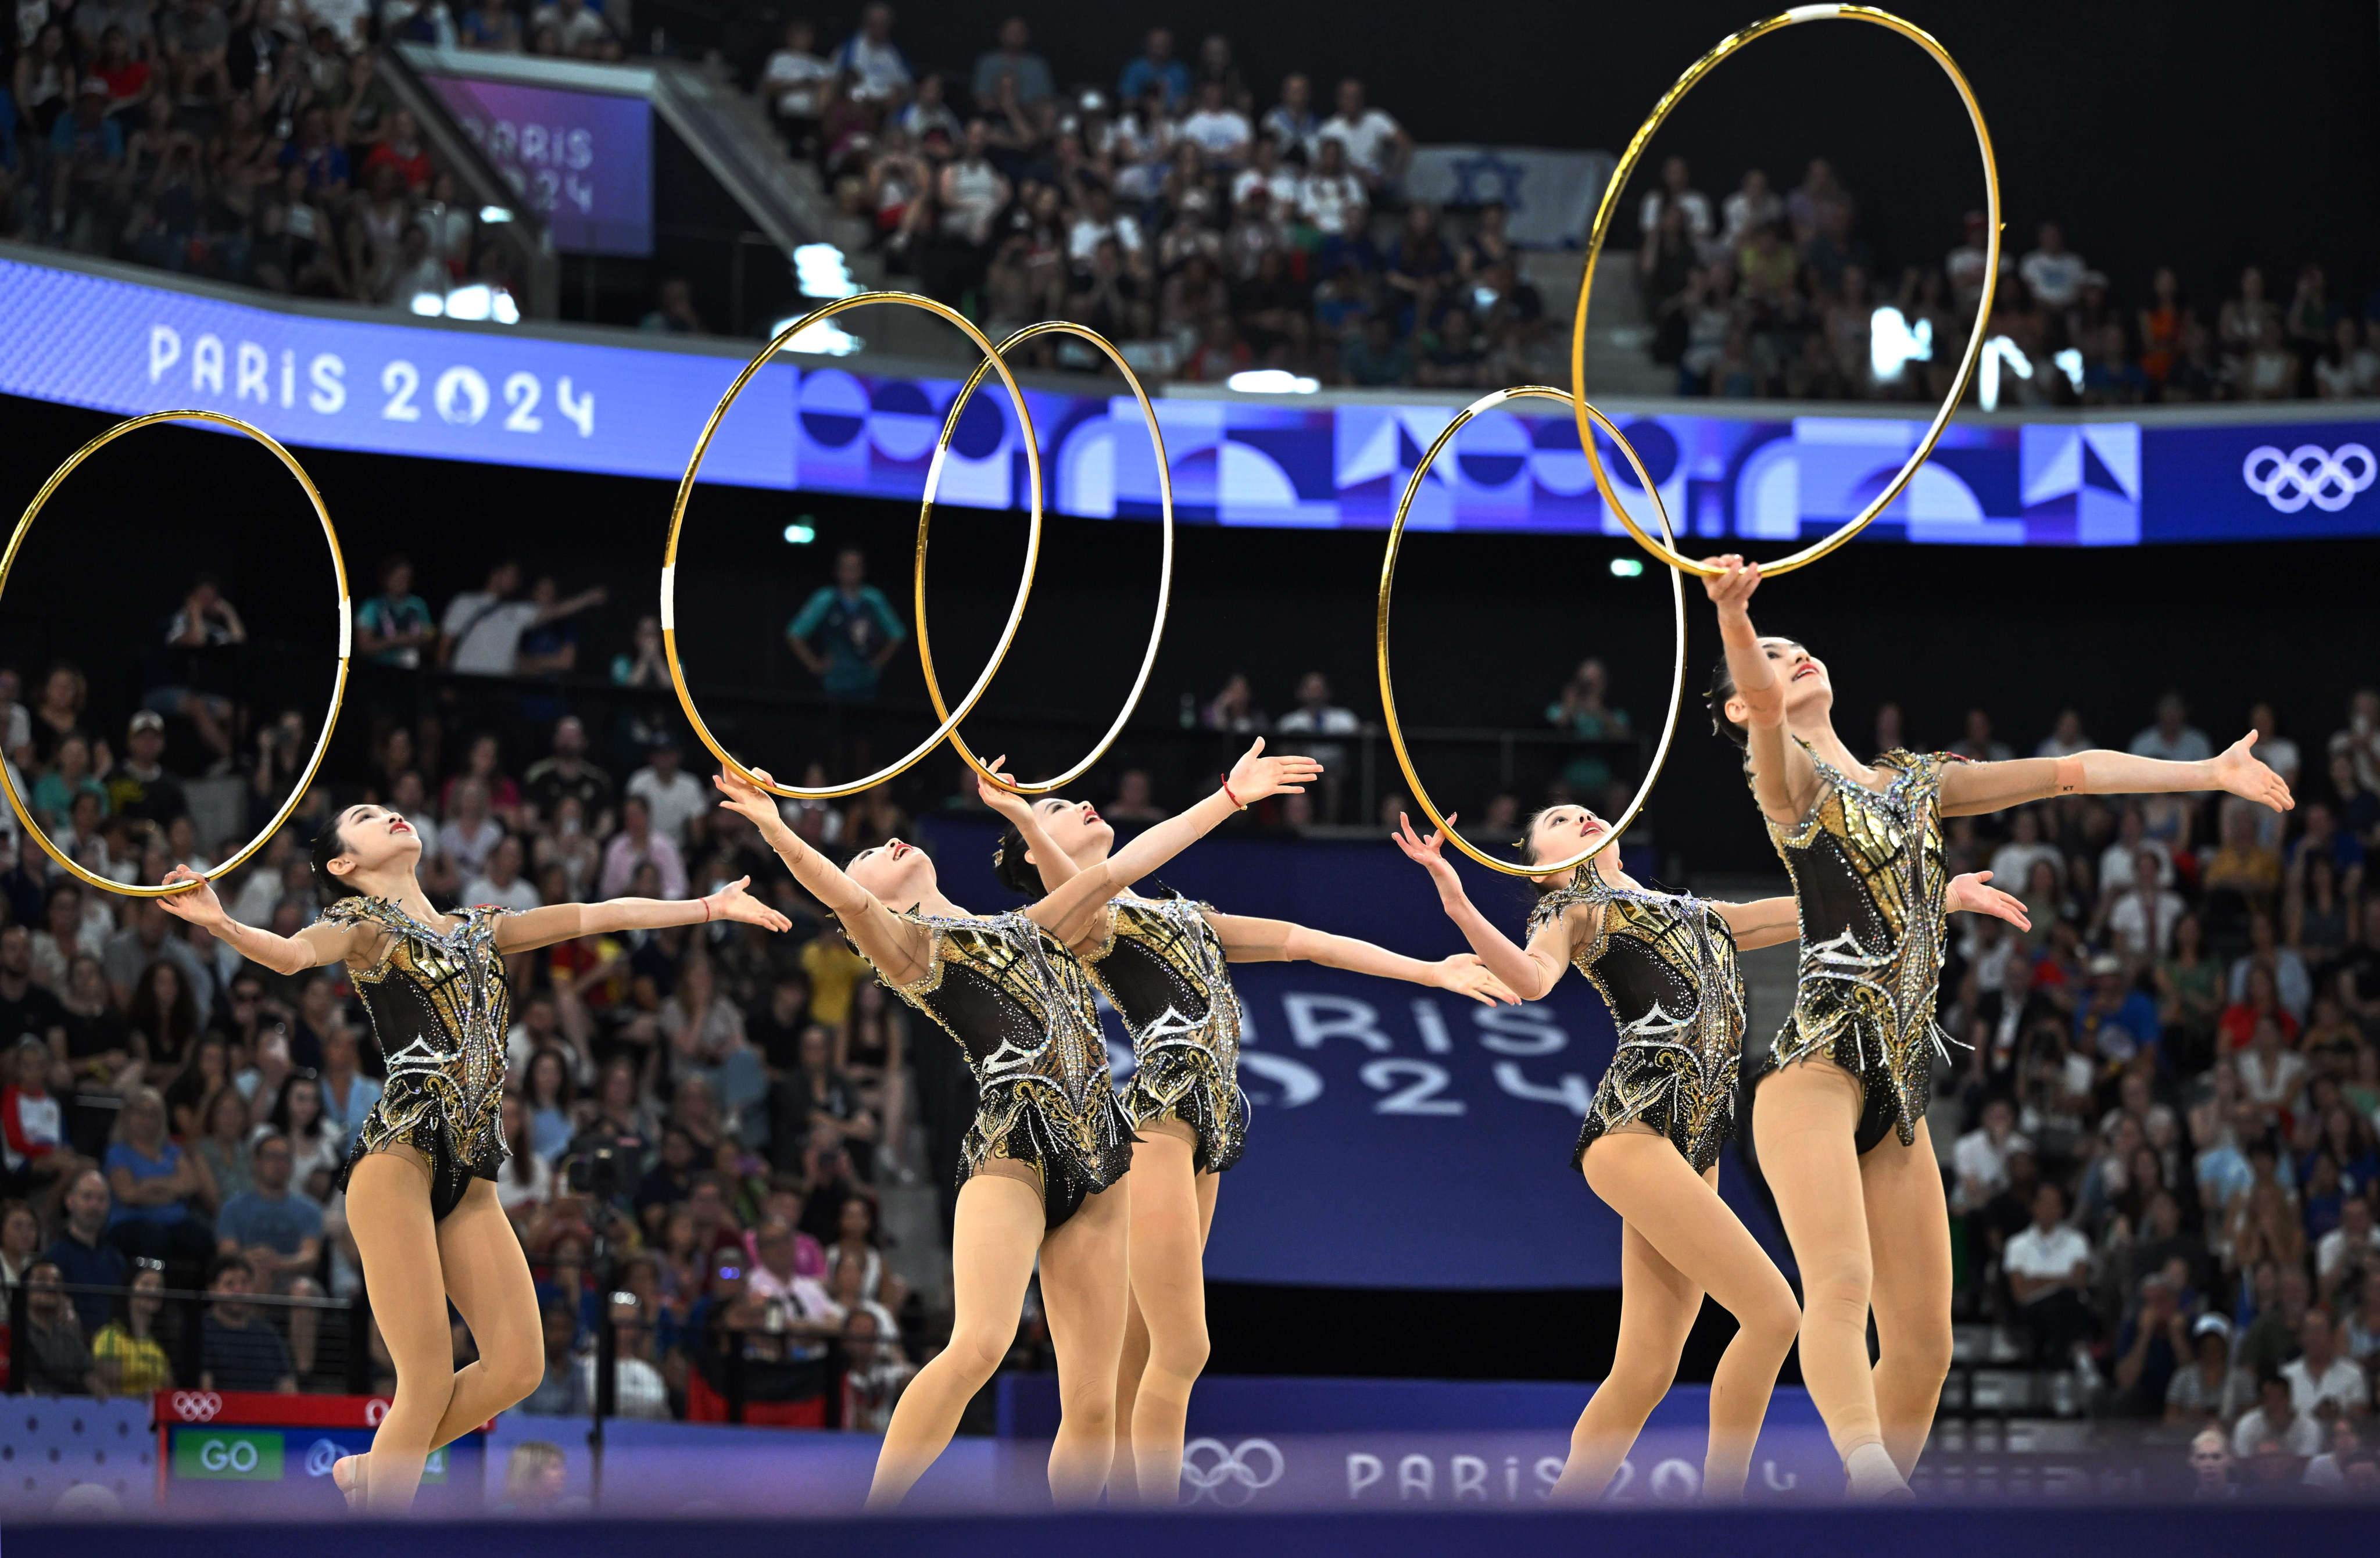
[440,1009]
[1163,967]
[1868,884]
[1021,1006]
[1665,964]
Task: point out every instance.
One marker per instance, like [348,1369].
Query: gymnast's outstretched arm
[901,949]
[1528,972]
[1070,910]
[1971,788]
[1249,940]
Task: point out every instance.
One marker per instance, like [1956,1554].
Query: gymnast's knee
[1923,1350]
[1086,1410]
[1835,1287]
[513,1373]
[977,1350]
[1772,1318]
[1177,1355]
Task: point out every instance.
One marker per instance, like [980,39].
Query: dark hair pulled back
[328,847]
[1722,687]
[1022,877]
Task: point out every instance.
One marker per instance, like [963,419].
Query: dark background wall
[1487,627]
[2160,132]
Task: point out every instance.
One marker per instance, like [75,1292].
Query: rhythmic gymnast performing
[421,1179]
[1160,958]
[1665,963]
[1839,1121]
[1049,1143]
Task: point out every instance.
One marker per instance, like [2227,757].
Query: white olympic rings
[2308,474]
[1211,1469]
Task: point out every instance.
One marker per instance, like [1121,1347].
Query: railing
[783,730]
[180,1331]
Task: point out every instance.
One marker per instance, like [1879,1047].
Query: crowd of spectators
[2165,1168]
[1776,294]
[250,141]
[700,1118]
[1169,207]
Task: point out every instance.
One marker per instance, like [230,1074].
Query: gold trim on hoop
[1587,413]
[933,479]
[1165,568]
[1611,205]
[338,688]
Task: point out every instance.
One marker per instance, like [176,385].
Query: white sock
[1871,1474]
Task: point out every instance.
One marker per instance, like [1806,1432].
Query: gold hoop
[933,479]
[1587,413]
[338,690]
[1610,204]
[1165,569]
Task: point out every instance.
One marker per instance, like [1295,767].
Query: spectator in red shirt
[32,1129]
[402,149]
[2262,1000]
[127,74]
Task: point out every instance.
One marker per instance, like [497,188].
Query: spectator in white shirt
[2048,1268]
[2053,271]
[2119,860]
[471,833]
[1218,130]
[482,628]
[2343,1248]
[2065,738]
[2141,920]
[640,843]
[1096,221]
[1316,714]
[500,881]
[2276,1419]
[2012,861]
[2360,740]
[811,1317]
[2318,1376]
[1676,189]
[675,796]
[795,83]
[880,72]
[1980,1157]
[1963,266]
[1754,208]
[2173,737]
[1266,171]
[1330,199]
[581,31]
[637,1387]
[1291,125]
[1378,147]
[2270,1074]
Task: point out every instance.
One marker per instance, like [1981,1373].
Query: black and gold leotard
[440,1009]
[1163,970]
[1868,884]
[1021,1006]
[1665,964]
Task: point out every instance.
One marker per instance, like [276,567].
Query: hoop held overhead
[1587,415]
[1611,205]
[1165,569]
[338,688]
[933,479]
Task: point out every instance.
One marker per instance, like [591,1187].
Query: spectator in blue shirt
[314,150]
[279,1229]
[2119,1020]
[87,151]
[392,626]
[1156,64]
[847,632]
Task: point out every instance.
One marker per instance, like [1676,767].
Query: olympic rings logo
[196,1406]
[2309,474]
[374,1411]
[1211,1470]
